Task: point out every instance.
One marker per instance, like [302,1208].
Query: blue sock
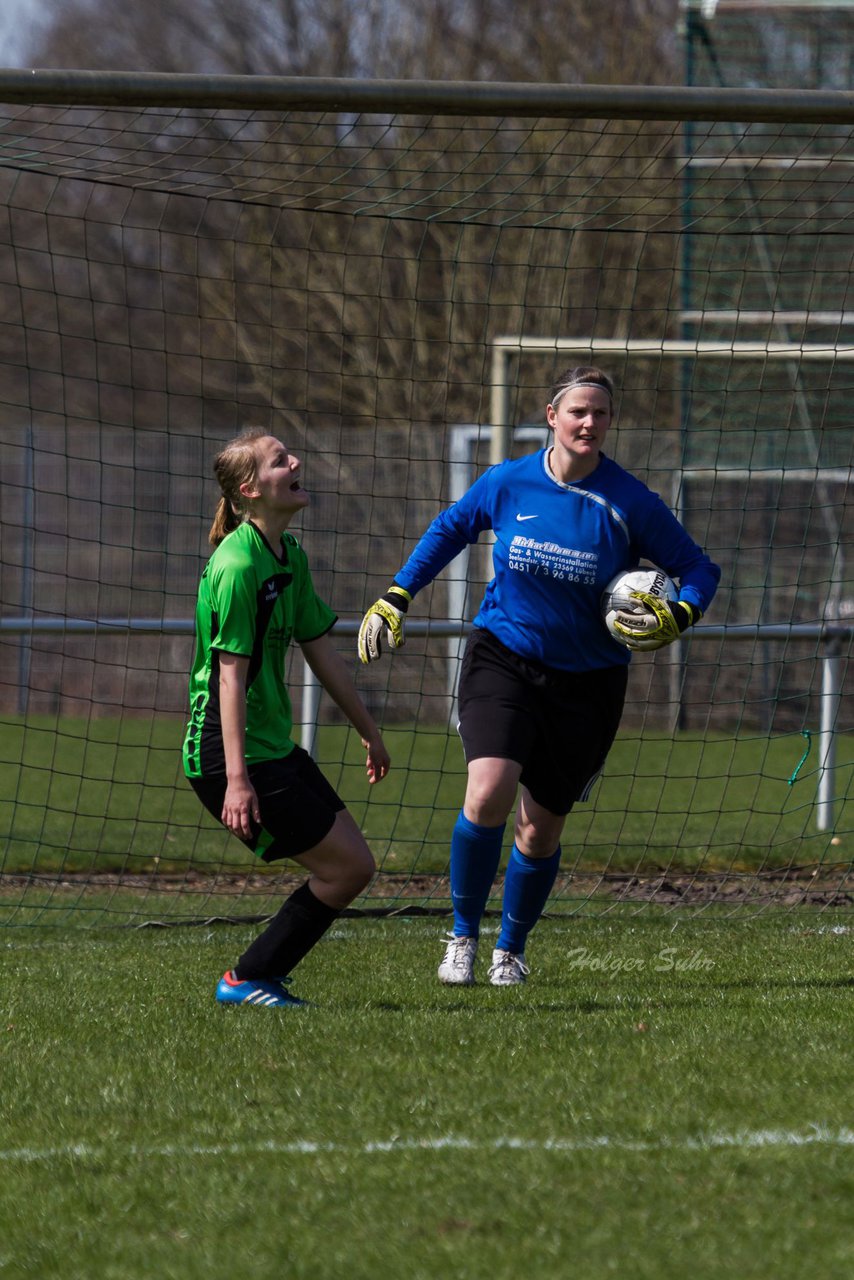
[475,855]
[527,886]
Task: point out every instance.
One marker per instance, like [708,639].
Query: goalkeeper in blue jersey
[255,597]
[542,682]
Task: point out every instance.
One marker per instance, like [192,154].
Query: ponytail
[234,466]
[225,520]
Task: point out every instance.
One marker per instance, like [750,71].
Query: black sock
[290,935]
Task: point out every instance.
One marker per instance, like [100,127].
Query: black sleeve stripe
[324,632]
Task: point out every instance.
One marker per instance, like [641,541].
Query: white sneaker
[457,968]
[507,969]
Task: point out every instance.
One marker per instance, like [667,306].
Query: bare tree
[544,40]
[340,294]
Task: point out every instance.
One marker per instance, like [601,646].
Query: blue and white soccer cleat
[268,992]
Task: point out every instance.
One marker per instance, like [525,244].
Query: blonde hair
[235,464]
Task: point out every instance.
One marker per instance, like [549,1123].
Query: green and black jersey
[251,603]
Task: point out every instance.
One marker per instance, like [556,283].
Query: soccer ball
[617,596]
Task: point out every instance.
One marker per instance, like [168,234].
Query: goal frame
[473,100]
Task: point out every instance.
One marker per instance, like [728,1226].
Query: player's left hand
[378,761]
[658,623]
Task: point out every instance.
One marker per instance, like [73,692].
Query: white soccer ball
[617,596]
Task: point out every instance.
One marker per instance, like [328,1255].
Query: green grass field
[109,795]
[660,1100]
[667,1096]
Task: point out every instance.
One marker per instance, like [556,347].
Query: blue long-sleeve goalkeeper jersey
[557,546]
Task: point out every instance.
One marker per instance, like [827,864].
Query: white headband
[581,382]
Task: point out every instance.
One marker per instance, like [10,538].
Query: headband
[581,382]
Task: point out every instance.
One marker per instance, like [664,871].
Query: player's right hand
[241,812]
[384,620]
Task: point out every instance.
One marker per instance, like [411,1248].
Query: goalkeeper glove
[658,623]
[386,615]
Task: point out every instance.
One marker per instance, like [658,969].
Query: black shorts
[298,806]
[558,725]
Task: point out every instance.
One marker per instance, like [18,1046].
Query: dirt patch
[430,894]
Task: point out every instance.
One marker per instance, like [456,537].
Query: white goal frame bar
[506,347]
[793,353]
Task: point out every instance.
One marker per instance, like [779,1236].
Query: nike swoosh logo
[518,517]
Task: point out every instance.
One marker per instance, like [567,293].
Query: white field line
[741,1141]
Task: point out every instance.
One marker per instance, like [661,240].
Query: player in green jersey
[255,597]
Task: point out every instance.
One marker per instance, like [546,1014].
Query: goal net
[391,289]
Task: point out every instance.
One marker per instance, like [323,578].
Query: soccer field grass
[109,796]
[660,1100]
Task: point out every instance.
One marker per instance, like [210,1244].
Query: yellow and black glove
[658,623]
[384,620]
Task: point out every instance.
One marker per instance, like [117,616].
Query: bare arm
[333,673]
[240,806]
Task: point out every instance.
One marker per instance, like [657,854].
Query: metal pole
[464,440]
[499,409]
[830,700]
[440,97]
[310,709]
[27,571]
